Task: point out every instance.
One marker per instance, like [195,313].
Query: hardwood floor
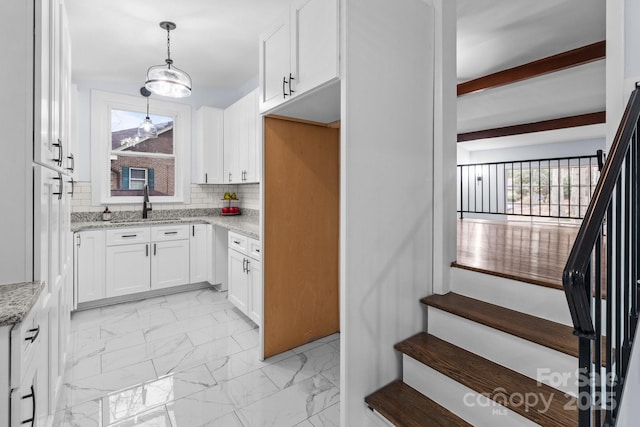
[529,252]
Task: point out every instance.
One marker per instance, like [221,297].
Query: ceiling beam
[550,64]
[545,125]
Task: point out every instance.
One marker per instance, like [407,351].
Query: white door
[169,264]
[274,64]
[200,245]
[238,280]
[128,269]
[90,266]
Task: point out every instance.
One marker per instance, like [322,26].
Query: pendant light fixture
[165,79]
[147,129]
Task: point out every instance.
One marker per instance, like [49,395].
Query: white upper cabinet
[209,147]
[242,141]
[314,43]
[52,83]
[300,52]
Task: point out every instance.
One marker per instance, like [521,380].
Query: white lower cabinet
[200,253]
[127,269]
[24,370]
[238,280]
[89,260]
[245,276]
[115,262]
[170,264]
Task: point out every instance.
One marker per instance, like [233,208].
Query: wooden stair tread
[499,383]
[540,331]
[404,406]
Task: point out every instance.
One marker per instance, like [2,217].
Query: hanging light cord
[169,61]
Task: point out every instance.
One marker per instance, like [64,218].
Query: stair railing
[600,278]
[559,187]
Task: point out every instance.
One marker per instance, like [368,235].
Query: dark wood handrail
[575,272]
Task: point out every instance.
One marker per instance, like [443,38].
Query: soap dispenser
[106,214]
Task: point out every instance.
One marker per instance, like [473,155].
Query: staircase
[490,357]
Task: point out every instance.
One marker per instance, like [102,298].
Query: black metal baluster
[598,326]
[609,327]
[618,290]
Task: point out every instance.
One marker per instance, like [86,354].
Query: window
[122,163]
[137,178]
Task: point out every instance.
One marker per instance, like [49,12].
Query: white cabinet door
[90,266]
[314,35]
[231,135]
[200,259]
[128,269]
[170,264]
[209,148]
[254,309]
[275,52]
[238,280]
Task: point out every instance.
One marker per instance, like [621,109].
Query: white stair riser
[376,419]
[457,398]
[541,363]
[539,301]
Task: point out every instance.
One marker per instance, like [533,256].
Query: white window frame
[101,105]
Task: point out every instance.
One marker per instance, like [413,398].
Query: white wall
[530,152]
[386,189]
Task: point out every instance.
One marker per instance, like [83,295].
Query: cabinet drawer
[254,249]
[170,232]
[238,242]
[25,342]
[127,236]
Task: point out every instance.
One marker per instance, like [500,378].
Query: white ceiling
[216,41]
[494,35]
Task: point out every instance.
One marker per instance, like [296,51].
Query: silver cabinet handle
[229,176]
[60,186]
[154,249]
[60,152]
[129,236]
[193,230]
[284,92]
[72,187]
[258,250]
[237,242]
[291,78]
[73,162]
[146,250]
[244,265]
[167,233]
[247,271]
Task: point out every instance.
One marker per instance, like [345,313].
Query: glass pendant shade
[167,80]
[147,129]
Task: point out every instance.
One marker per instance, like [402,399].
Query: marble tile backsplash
[202,197]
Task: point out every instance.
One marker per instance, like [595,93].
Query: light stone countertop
[243,224]
[16,300]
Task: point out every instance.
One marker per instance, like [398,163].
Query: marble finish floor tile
[187,360]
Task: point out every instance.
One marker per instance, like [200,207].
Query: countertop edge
[17,301]
[234,223]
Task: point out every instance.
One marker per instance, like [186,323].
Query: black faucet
[146,205]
